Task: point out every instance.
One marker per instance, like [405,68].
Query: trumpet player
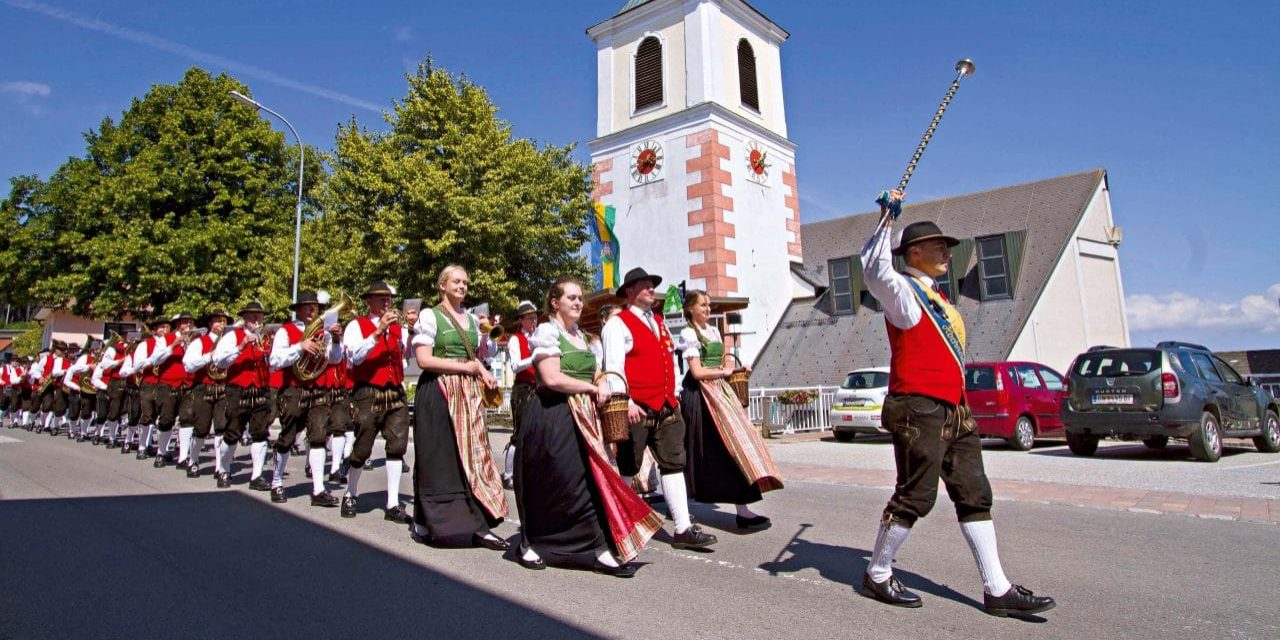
[173,385]
[80,405]
[375,345]
[520,356]
[299,396]
[10,374]
[208,395]
[52,400]
[144,363]
[110,385]
[239,352]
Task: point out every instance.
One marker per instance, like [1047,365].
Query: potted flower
[796,396]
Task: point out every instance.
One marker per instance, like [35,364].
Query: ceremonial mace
[964,68]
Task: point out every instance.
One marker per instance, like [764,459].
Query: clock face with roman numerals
[646,162]
[757,162]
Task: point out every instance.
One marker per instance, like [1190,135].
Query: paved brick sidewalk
[1264,510]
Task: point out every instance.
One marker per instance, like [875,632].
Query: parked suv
[1016,401]
[1176,390]
[857,403]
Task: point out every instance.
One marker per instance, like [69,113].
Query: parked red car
[1016,401]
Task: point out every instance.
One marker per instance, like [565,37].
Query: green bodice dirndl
[448,342]
[710,353]
[577,363]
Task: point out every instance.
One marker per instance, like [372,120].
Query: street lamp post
[297,219]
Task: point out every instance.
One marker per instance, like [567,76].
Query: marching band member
[53,400]
[300,411]
[208,396]
[149,392]
[110,385]
[638,348]
[7,399]
[520,357]
[173,384]
[79,411]
[934,435]
[239,352]
[458,494]
[574,507]
[375,345]
[726,461]
[131,409]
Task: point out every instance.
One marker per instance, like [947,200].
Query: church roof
[631,4]
[812,346]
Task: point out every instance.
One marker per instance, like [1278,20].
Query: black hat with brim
[305,298]
[159,321]
[252,307]
[181,317]
[216,313]
[525,308]
[633,276]
[918,232]
[378,288]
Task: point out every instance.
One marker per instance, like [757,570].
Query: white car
[857,403]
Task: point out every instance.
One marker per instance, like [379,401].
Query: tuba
[311,365]
[213,371]
[86,378]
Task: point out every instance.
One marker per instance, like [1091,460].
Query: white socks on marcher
[316,458]
[336,447]
[165,437]
[981,536]
[277,474]
[184,443]
[677,499]
[353,480]
[509,462]
[889,538]
[394,470]
[348,443]
[258,453]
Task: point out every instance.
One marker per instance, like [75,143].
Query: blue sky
[1177,100]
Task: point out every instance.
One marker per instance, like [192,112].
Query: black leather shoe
[404,468]
[160,462]
[621,571]
[752,522]
[259,484]
[508,483]
[398,515]
[495,544]
[141,455]
[277,495]
[295,450]
[324,499]
[182,466]
[692,538]
[1017,601]
[889,592]
[418,537]
[193,471]
[308,470]
[338,478]
[368,465]
[537,564]
[224,479]
[348,507]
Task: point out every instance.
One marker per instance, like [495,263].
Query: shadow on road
[838,565]
[224,565]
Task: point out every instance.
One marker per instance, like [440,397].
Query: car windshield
[980,379]
[866,380]
[1115,364]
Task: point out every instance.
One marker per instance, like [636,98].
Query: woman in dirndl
[575,510]
[726,461]
[458,495]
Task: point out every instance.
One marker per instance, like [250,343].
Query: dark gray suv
[1176,390]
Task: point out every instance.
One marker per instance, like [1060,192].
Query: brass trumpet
[310,366]
[212,370]
[494,331]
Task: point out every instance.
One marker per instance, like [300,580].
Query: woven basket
[613,416]
[740,381]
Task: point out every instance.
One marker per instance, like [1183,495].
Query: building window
[993,267]
[747,75]
[841,279]
[648,73]
[944,285]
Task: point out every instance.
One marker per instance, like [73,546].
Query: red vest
[171,372]
[87,372]
[4,376]
[149,373]
[651,374]
[249,368]
[334,376]
[527,375]
[384,366]
[286,375]
[206,347]
[922,364]
[111,374]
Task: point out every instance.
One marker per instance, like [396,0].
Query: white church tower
[691,150]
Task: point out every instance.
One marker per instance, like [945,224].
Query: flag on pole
[604,247]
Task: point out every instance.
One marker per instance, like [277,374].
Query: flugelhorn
[311,365]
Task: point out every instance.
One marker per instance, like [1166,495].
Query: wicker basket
[740,381]
[613,416]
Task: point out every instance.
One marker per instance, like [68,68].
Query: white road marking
[8,440]
[1250,466]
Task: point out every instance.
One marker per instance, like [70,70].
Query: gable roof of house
[811,346]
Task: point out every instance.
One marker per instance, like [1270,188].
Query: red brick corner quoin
[601,189]
[793,205]
[712,210]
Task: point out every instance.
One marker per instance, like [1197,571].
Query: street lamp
[297,219]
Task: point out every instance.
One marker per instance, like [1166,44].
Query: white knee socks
[353,480]
[348,443]
[336,448]
[165,437]
[889,538]
[277,474]
[258,452]
[509,461]
[184,443]
[226,454]
[981,536]
[677,499]
[316,457]
[394,469]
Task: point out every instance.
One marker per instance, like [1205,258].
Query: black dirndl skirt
[710,472]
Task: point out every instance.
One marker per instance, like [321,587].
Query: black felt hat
[252,307]
[179,317]
[378,288]
[159,321]
[633,276]
[306,297]
[918,232]
[215,313]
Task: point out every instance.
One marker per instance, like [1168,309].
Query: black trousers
[117,400]
[133,403]
[248,407]
[150,402]
[520,394]
[661,432]
[328,415]
[293,403]
[933,439]
[379,410]
[103,403]
[208,403]
[6,399]
[88,402]
[166,404]
[54,399]
[73,404]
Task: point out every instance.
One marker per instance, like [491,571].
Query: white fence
[813,415]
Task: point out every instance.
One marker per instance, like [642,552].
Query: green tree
[177,206]
[448,183]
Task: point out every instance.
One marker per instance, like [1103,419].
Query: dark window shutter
[648,73]
[1015,243]
[747,75]
[960,255]
[855,279]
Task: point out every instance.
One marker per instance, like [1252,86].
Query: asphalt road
[94,544]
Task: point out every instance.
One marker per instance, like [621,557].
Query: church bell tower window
[648,73]
[747,75]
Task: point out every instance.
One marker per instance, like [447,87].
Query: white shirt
[690,347]
[358,346]
[141,356]
[285,355]
[57,368]
[545,342]
[891,288]
[164,348]
[194,358]
[227,350]
[618,343]
[519,364]
[81,365]
[424,332]
[107,362]
[126,366]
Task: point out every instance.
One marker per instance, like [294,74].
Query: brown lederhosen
[208,403]
[379,410]
[933,439]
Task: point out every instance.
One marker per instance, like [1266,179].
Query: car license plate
[1113,398]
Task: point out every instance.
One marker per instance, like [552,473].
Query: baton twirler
[964,68]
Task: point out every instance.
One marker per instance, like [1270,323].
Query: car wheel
[844,436]
[1156,442]
[1206,442]
[1269,441]
[1024,435]
[1081,444]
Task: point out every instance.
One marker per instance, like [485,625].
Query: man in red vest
[638,347]
[111,387]
[144,364]
[239,352]
[520,357]
[299,398]
[208,395]
[376,346]
[173,383]
[934,435]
